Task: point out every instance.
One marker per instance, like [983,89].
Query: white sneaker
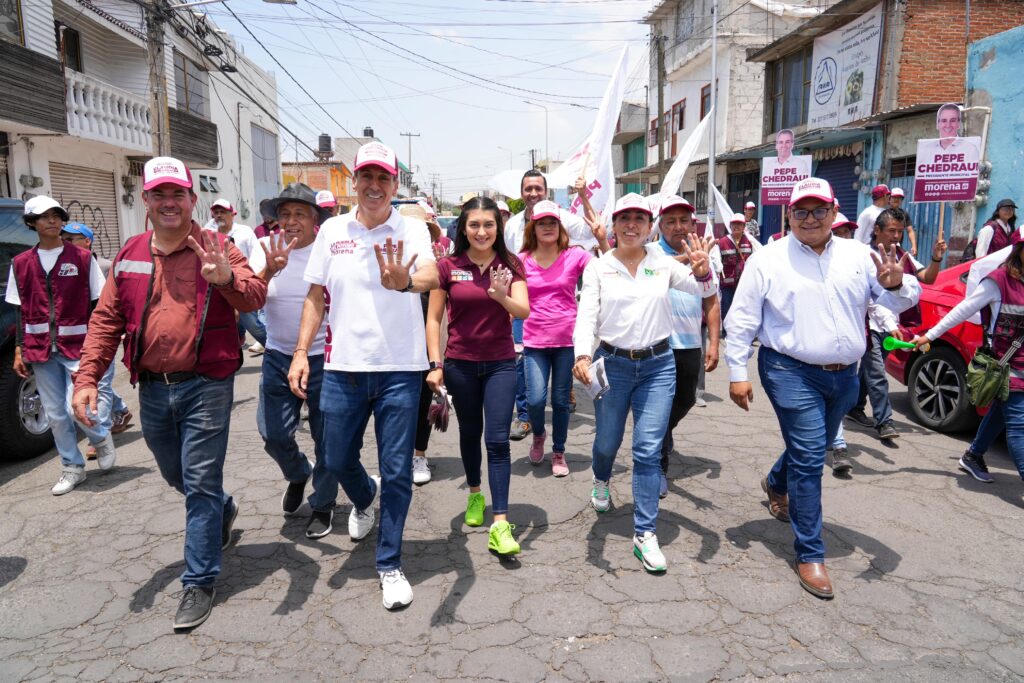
[648,551]
[256,349]
[600,497]
[105,455]
[420,471]
[361,521]
[397,591]
[70,477]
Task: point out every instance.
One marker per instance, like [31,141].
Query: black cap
[297,192]
[1003,203]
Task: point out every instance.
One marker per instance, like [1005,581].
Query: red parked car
[936,380]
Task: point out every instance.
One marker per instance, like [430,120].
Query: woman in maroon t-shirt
[481,284]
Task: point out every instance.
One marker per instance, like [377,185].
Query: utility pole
[714,115]
[533,158]
[410,136]
[159,117]
[659,42]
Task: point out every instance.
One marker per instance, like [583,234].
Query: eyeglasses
[819,213]
[72,238]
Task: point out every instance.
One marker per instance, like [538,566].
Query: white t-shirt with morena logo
[370,329]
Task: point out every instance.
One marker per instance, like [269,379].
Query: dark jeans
[873,381]
[186,427]
[422,426]
[347,400]
[483,393]
[727,294]
[1013,415]
[277,418]
[522,411]
[991,425]
[810,403]
[541,365]
[689,363]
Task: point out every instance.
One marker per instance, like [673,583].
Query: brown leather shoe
[778,503]
[814,579]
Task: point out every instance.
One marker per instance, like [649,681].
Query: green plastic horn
[892,343]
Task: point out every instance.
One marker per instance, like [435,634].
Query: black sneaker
[888,431]
[839,461]
[974,465]
[230,513]
[292,498]
[319,524]
[195,606]
[858,416]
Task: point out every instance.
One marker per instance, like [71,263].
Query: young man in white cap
[805,298]
[325,200]
[505,212]
[173,297]
[375,354]
[728,257]
[54,286]
[223,214]
[866,219]
[896,202]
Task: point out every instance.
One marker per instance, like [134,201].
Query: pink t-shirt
[553,298]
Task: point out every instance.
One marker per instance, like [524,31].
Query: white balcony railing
[99,111]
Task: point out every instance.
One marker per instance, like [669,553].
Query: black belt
[167,377]
[636,354]
[831,367]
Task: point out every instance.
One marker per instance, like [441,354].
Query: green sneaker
[500,539]
[475,509]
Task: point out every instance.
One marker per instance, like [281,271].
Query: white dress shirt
[806,305]
[580,233]
[632,312]
[866,223]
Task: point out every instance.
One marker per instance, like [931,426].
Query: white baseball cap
[325,199]
[427,208]
[632,202]
[812,188]
[376,154]
[545,209]
[37,206]
[750,205]
[502,206]
[223,204]
[842,221]
[159,170]
[738,218]
[898,192]
[675,200]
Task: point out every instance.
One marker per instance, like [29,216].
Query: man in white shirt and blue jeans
[805,299]
[375,352]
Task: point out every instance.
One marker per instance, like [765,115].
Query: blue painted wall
[994,75]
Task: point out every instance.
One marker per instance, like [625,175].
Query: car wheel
[938,391]
[24,429]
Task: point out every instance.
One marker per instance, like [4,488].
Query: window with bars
[787,91]
[902,167]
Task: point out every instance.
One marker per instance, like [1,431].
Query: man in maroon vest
[728,258]
[173,296]
[53,286]
[889,226]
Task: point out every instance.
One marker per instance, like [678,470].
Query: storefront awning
[814,139]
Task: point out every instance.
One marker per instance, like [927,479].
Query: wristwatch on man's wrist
[408,287]
[436,365]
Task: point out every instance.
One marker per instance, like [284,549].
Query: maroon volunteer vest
[733,259]
[55,305]
[217,349]
[911,317]
[1009,322]
[1000,238]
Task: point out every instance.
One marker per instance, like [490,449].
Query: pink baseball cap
[675,200]
[325,199]
[502,206]
[160,170]
[898,192]
[223,204]
[738,218]
[879,191]
[750,205]
[545,209]
[812,188]
[376,154]
[632,202]
[843,221]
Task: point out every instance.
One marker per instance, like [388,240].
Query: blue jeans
[1013,415]
[726,294]
[541,364]
[810,403]
[991,425]
[647,387]
[186,427]
[283,409]
[483,393]
[874,383]
[254,323]
[117,404]
[53,380]
[522,409]
[347,400]
[840,440]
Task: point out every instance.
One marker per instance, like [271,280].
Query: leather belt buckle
[637,354]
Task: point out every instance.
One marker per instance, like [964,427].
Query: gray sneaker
[600,496]
[195,606]
[228,524]
[105,455]
[839,461]
[888,431]
[519,430]
[70,477]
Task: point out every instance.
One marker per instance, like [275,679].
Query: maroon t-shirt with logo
[479,328]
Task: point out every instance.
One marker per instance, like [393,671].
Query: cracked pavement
[923,558]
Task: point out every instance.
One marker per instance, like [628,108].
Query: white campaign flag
[724,212]
[594,159]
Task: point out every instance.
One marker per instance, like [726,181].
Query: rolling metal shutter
[89,196]
[839,173]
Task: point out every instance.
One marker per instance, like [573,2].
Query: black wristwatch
[437,365]
[408,287]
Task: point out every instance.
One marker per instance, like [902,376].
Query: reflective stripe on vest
[71,330]
[141,267]
[38,328]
